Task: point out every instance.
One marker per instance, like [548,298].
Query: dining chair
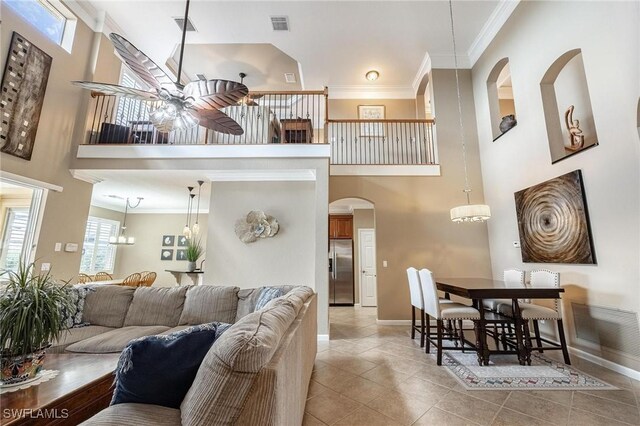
[542,278]
[417,302]
[132,280]
[102,276]
[147,279]
[441,312]
[83,278]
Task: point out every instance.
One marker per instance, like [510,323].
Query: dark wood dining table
[478,289]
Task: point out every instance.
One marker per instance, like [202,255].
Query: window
[97,254]
[131,109]
[48,16]
[16,224]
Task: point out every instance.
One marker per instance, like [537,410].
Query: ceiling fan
[182,106]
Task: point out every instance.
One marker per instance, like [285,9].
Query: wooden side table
[297,130]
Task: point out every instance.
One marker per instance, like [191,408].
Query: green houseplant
[31,316]
[193,253]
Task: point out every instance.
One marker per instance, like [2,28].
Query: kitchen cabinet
[341,226]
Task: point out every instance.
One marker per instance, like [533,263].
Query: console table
[81,389]
[196,276]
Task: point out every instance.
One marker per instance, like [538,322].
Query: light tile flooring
[371,375]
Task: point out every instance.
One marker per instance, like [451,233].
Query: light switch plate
[45,266]
[58,247]
[516,244]
[384,263]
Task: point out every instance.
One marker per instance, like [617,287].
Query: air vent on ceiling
[280,23]
[201,77]
[180,22]
[289,77]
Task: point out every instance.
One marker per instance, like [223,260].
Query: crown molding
[447,61]
[496,20]
[98,20]
[371,92]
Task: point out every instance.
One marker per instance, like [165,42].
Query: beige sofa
[257,372]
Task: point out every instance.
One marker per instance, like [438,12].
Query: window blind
[97,254]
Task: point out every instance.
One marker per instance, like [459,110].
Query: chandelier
[122,239]
[192,230]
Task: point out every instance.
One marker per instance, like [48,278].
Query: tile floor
[369,374]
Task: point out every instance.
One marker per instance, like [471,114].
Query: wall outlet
[71,247]
[384,264]
[45,267]
[516,244]
[58,247]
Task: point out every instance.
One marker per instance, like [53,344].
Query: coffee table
[82,388]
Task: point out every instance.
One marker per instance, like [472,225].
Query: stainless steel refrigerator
[341,272]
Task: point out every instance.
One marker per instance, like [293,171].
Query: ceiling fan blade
[218,121]
[140,64]
[114,89]
[215,94]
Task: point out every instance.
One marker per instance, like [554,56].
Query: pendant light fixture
[466,212]
[186,231]
[196,226]
[123,239]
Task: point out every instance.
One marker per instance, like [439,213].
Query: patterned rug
[503,372]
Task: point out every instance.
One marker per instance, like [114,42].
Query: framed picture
[371,112]
[166,254]
[181,254]
[553,222]
[182,241]
[168,240]
[24,84]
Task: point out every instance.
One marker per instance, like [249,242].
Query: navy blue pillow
[160,369]
[266,295]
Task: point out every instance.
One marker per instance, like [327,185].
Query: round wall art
[554,223]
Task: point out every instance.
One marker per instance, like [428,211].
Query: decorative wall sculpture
[256,225]
[24,83]
[554,222]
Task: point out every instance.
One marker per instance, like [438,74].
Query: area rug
[504,373]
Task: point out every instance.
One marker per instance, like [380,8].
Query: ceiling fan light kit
[180,107]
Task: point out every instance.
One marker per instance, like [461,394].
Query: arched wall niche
[501,101]
[567,107]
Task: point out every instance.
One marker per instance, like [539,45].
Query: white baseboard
[393,322]
[323,337]
[356,305]
[629,372]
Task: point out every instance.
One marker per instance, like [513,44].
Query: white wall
[287,258]
[533,38]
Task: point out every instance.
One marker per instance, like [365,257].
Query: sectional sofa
[257,372]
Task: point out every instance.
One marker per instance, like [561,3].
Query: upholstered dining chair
[513,277]
[447,311]
[83,278]
[147,279]
[132,280]
[417,302]
[102,276]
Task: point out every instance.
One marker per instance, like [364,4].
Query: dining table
[118,281]
[479,289]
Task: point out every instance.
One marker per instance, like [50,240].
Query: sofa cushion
[248,297]
[135,414]
[231,365]
[266,295]
[206,303]
[72,314]
[156,306]
[115,340]
[107,305]
[74,335]
[160,369]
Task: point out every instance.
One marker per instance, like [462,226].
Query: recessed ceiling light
[372,75]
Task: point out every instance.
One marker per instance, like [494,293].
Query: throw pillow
[267,294]
[160,369]
[72,318]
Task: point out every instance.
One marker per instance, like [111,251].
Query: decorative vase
[20,368]
[507,123]
[191,266]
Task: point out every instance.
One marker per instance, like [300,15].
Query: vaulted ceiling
[334,42]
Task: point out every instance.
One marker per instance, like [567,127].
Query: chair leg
[476,330]
[504,335]
[421,328]
[536,331]
[527,340]
[413,322]
[428,342]
[563,342]
[454,333]
[495,336]
[461,331]
[440,325]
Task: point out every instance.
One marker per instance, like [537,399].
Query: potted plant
[31,318]
[194,251]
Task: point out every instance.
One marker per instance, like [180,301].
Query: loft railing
[382,142]
[266,117]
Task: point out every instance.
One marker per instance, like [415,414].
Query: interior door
[368,275]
